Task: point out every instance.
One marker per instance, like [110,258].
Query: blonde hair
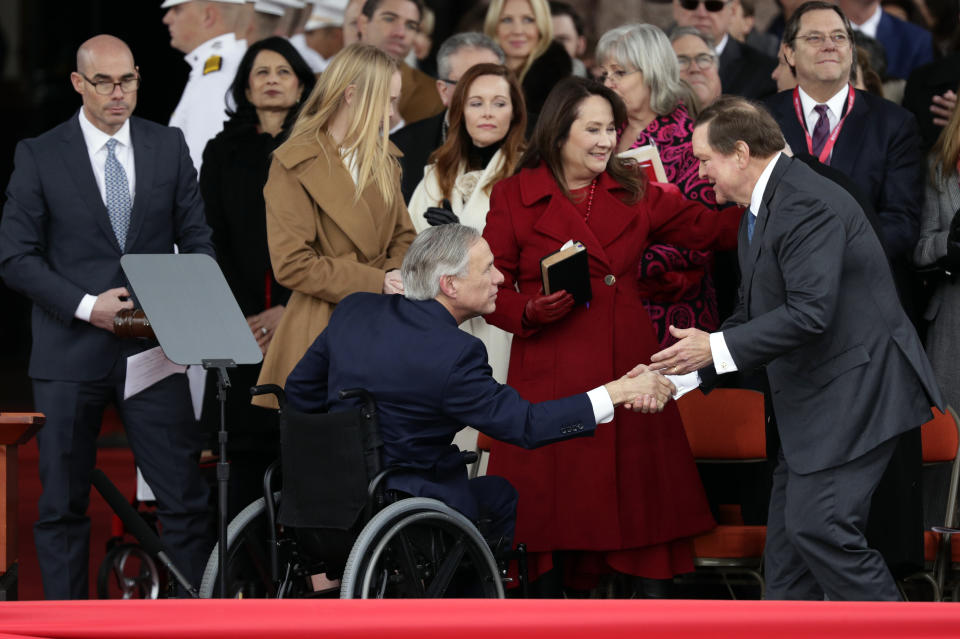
[369,71]
[946,150]
[541,15]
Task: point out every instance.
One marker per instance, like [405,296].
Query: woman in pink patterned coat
[677,285]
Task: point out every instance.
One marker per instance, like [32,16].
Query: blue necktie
[118,195]
[751,221]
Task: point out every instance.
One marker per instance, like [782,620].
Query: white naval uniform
[201,111]
[314,60]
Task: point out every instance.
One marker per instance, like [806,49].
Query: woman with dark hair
[485,138]
[628,499]
[270,83]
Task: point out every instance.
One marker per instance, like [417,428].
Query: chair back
[725,424]
[327,460]
[940,438]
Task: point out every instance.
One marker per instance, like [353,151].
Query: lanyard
[832,140]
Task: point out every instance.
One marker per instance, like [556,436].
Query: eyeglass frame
[695,60]
[617,75]
[706,5]
[816,39]
[113,85]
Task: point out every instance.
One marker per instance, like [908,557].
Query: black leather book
[567,269]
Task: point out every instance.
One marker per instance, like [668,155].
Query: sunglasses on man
[713,6]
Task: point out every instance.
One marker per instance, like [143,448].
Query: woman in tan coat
[336,223]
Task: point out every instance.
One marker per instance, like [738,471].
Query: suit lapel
[752,253]
[562,221]
[77,161]
[322,179]
[851,138]
[145,167]
[783,111]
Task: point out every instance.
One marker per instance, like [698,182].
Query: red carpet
[465,618]
[117,463]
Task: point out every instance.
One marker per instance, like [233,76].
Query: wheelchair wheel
[128,572]
[420,547]
[248,557]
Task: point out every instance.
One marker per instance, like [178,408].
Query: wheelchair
[329,519]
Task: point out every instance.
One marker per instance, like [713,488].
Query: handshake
[641,390]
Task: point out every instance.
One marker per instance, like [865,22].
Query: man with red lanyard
[875,143]
[871,140]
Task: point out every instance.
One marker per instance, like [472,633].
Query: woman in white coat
[487,120]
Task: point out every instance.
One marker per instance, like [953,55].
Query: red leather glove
[546,309]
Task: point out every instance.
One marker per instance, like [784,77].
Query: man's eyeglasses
[838,38]
[452,83]
[106,87]
[703,61]
[616,76]
[713,6]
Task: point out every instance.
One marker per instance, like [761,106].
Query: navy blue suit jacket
[429,379]
[56,242]
[878,148]
[745,71]
[907,45]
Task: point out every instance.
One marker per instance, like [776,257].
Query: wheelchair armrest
[271,389]
[377,480]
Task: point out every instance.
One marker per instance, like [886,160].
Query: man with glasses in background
[744,71]
[96,187]
[698,63]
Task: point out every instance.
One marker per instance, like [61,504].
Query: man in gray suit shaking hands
[847,373]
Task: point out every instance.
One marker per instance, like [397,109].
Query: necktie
[751,221]
[118,194]
[821,130]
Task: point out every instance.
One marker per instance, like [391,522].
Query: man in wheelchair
[430,379]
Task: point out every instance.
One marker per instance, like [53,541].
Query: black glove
[444,214]
[954,234]
[951,261]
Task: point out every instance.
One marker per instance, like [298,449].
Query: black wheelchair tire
[387,527]
[240,531]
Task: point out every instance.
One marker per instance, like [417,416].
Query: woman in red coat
[629,498]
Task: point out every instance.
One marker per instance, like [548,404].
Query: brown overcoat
[323,245]
[418,95]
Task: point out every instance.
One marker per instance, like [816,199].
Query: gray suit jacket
[818,307]
[56,242]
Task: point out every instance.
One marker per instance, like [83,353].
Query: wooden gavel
[132,322]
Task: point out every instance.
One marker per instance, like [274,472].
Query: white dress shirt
[96,141]
[201,112]
[722,360]
[834,108]
[722,44]
[871,25]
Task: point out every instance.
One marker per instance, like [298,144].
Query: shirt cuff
[684,383]
[85,309]
[722,361]
[602,404]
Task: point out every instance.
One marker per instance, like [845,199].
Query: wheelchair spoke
[446,570]
[410,563]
